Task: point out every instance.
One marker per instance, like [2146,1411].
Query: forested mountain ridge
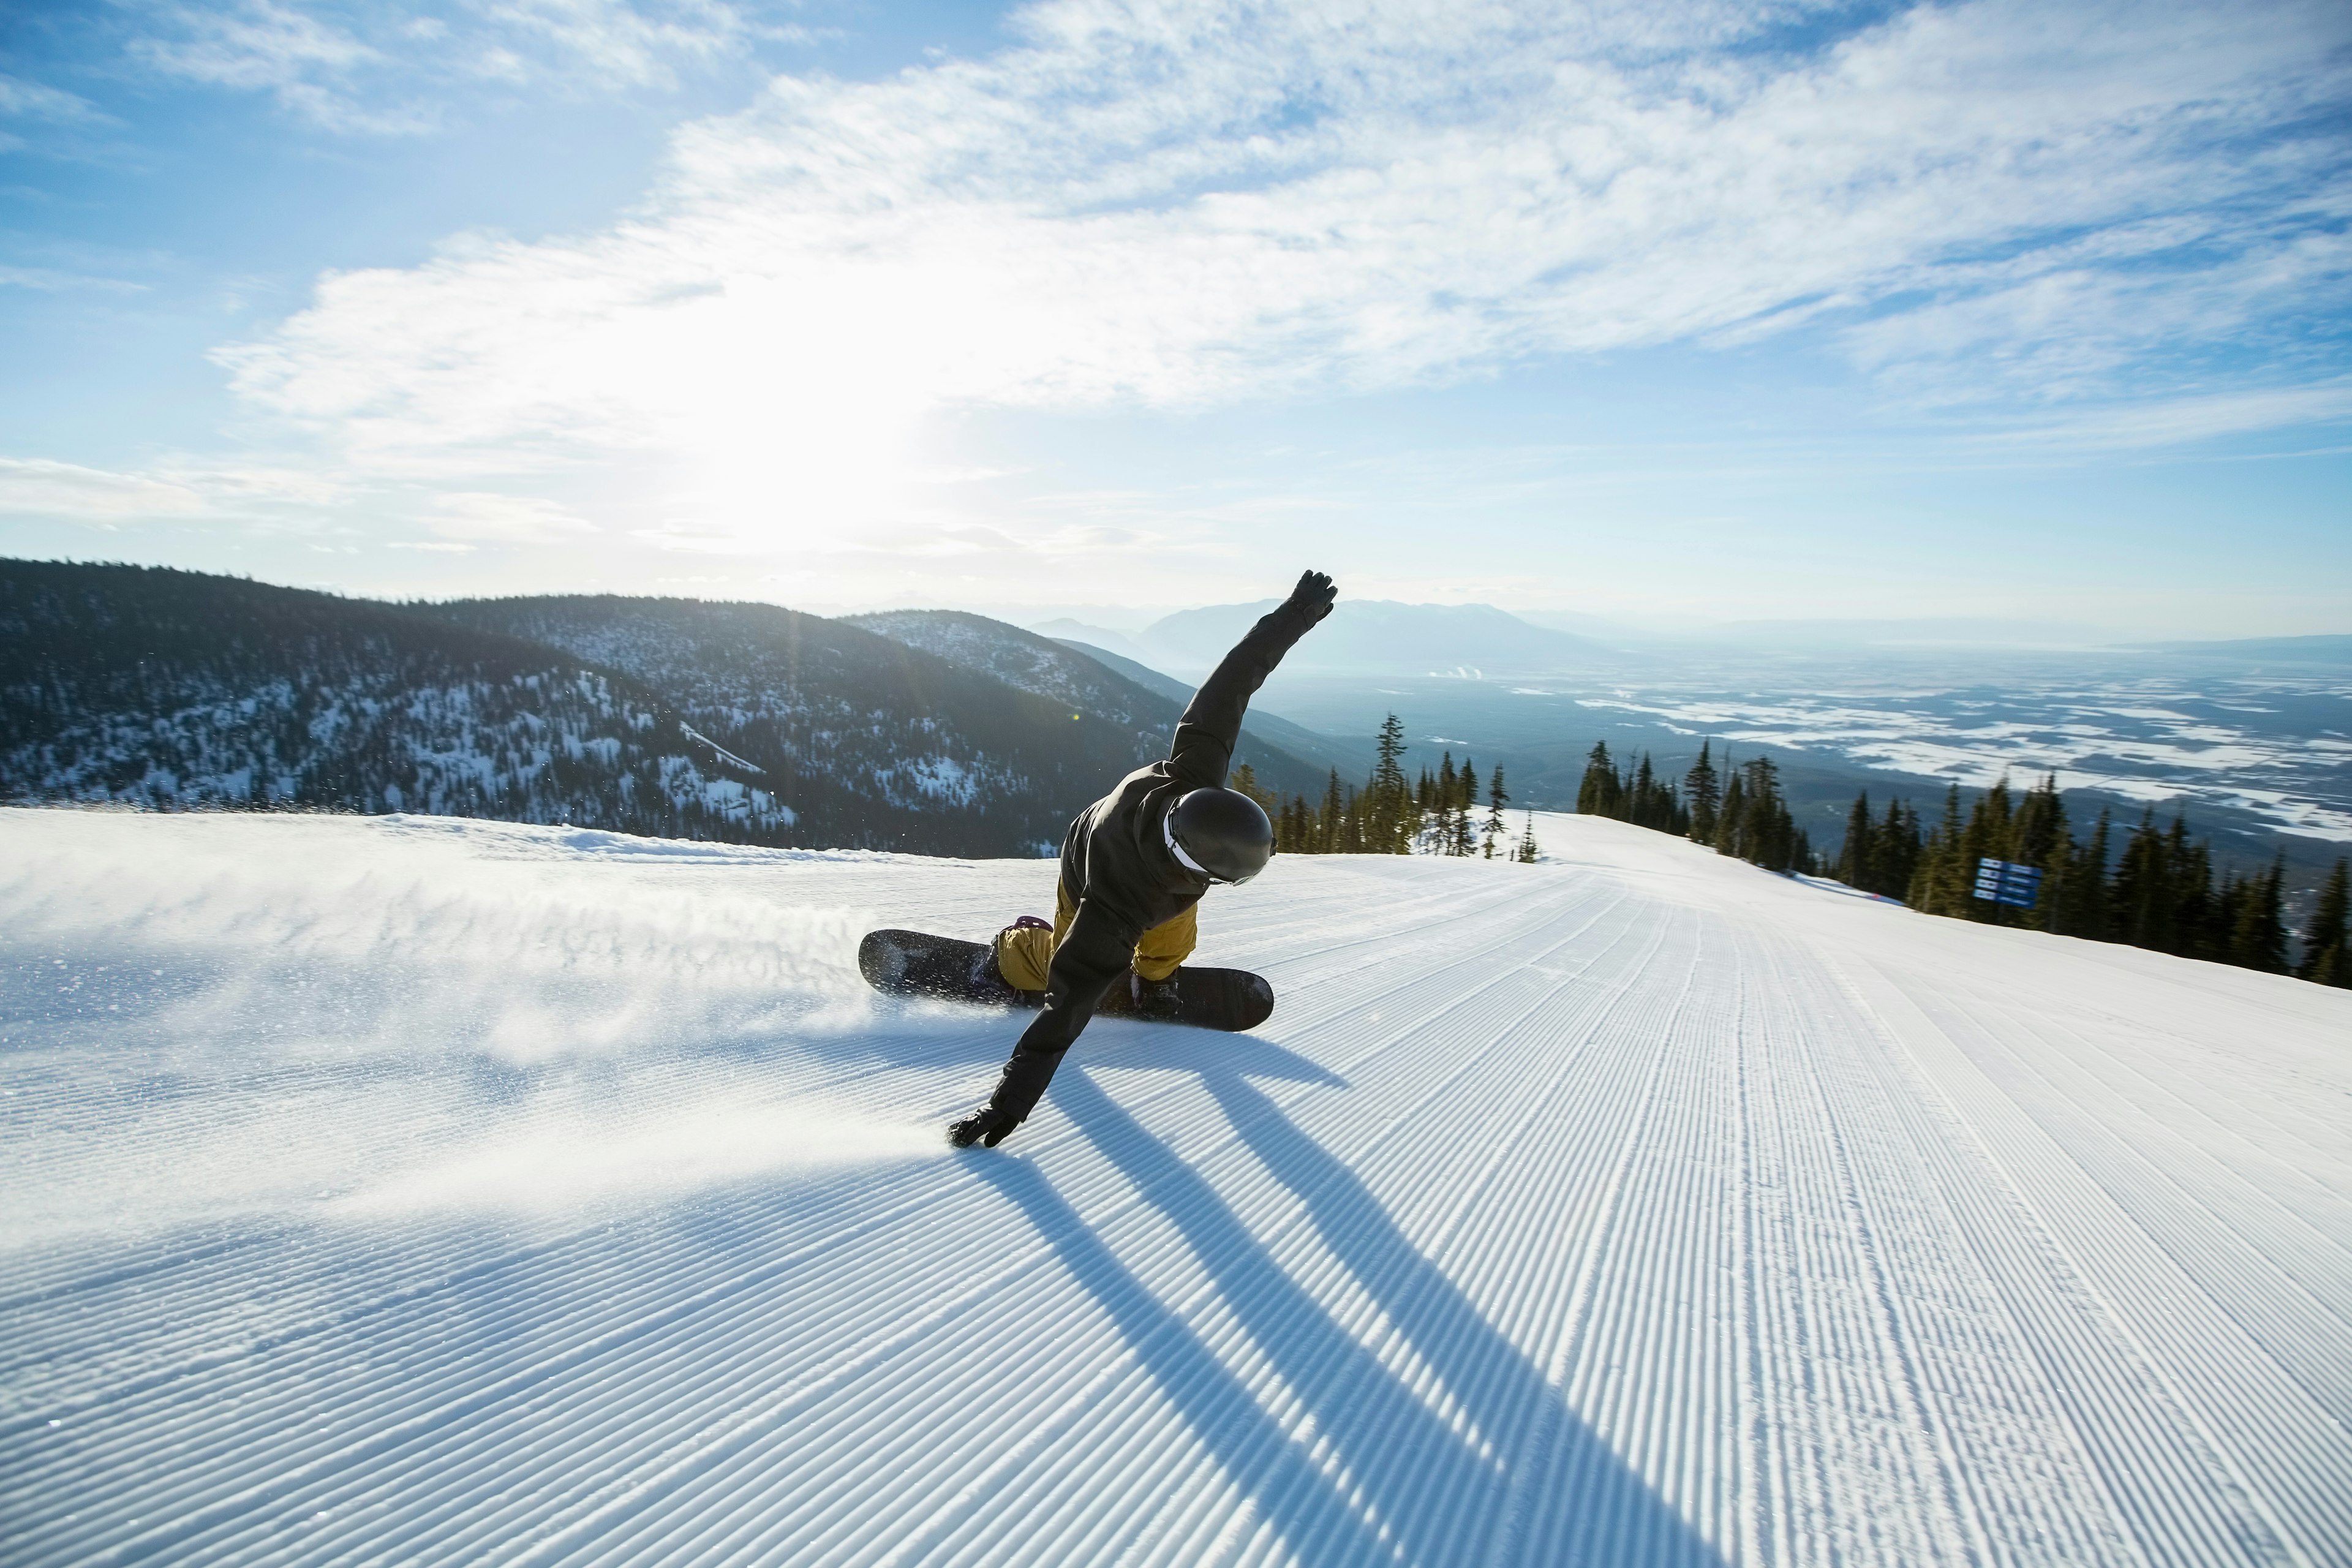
[740,722]
[883,743]
[1078,677]
[179,689]
[1028,661]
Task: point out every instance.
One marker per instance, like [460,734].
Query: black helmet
[1221,833]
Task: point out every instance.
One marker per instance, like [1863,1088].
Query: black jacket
[1116,865]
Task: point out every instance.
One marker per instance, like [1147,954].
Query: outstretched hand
[987,1125]
[1314,595]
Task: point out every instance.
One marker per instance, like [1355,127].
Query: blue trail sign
[2007,882]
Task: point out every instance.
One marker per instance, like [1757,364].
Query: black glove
[987,1125]
[1314,595]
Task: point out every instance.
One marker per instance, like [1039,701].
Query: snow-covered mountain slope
[1032,663]
[739,722]
[412,1190]
[182,690]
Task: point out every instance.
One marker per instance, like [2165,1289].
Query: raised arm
[1212,725]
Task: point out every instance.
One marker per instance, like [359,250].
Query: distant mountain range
[1287,757]
[2291,650]
[742,722]
[1361,637]
[1263,731]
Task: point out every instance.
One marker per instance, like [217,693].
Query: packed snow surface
[403,1190]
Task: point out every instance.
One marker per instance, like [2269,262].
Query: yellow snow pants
[1024,953]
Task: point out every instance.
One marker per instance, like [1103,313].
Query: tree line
[1443,813]
[2160,892]
[1737,810]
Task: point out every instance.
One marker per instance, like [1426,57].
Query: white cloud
[376,68]
[2004,212]
[2170,421]
[619,42]
[254,44]
[68,492]
[48,281]
[261,46]
[32,101]
[38,488]
[1184,202]
[477,517]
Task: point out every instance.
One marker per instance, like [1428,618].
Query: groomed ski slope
[412,1191]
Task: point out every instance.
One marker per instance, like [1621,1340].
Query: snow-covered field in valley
[412,1191]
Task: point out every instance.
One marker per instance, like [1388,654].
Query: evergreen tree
[1495,801]
[1464,839]
[2039,834]
[2326,940]
[2258,926]
[2143,899]
[1896,852]
[2075,895]
[1245,781]
[1389,820]
[1855,857]
[1730,819]
[1940,883]
[1704,791]
[2091,901]
[1598,792]
[1986,837]
[2199,930]
[1526,851]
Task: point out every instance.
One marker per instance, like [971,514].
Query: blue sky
[1667,313]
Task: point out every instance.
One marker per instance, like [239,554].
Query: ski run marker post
[2007,882]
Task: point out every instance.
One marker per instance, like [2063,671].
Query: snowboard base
[916,963]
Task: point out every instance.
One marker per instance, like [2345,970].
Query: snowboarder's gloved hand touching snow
[1314,595]
[987,1125]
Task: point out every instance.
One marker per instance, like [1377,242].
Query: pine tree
[1442,793]
[1986,837]
[2199,930]
[1391,820]
[1889,851]
[1495,801]
[2326,940]
[2143,898]
[1853,862]
[1245,781]
[1597,793]
[2039,834]
[1938,882]
[1465,841]
[2091,899]
[1528,851]
[1704,793]
[1756,825]
[2074,894]
[2258,926]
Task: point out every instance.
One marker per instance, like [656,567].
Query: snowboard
[915,963]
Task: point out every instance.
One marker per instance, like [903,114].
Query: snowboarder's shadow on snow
[937,1034]
[1455,1448]
[1131,1043]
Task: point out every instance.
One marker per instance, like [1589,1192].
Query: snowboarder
[1134,864]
